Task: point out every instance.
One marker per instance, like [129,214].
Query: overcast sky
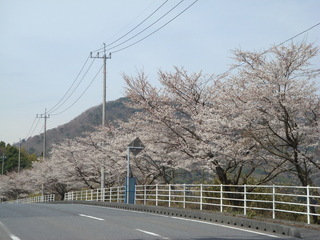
[44,44]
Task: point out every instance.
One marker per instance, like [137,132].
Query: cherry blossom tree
[279,103]
[243,122]
[157,162]
[199,129]
[15,186]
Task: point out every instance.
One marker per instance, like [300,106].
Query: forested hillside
[85,122]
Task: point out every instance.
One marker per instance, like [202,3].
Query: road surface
[85,222]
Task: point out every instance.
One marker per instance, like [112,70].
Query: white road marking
[13,237]
[226,226]
[100,219]
[151,233]
[186,219]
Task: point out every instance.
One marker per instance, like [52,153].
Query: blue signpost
[130,191]
[135,148]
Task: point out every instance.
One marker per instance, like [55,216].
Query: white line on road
[13,237]
[226,226]
[151,233]
[186,219]
[100,219]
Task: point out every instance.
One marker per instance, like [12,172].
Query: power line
[81,93]
[266,51]
[34,120]
[56,107]
[98,50]
[146,27]
[156,29]
[30,133]
[295,36]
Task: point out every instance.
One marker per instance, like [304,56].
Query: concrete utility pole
[19,159]
[45,116]
[3,158]
[104,86]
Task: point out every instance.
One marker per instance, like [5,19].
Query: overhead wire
[56,107]
[118,39]
[41,129]
[64,99]
[126,25]
[30,133]
[146,27]
[81,94]
[266,51]
[66,96]
[34,120]
[121,49]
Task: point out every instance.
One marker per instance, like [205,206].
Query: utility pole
[104,86]
[3,158]
[19,159]
[45,116]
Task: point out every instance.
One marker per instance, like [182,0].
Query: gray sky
[44,44]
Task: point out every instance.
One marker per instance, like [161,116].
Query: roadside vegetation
[258,122]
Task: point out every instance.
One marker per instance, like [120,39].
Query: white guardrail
[277,202]
[38,199]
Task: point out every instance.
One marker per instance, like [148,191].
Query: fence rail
[113,194]
[44,198]
[277,202]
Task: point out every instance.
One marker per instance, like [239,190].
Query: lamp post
[135,148]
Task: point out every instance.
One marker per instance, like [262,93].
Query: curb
[198,215]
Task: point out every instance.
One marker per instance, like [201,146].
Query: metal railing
[277,202]
[113,194]
[38,199]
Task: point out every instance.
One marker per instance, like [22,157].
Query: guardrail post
[169,195]
[245,199]
[135,195]
[273,202]
[118,194]
[201,196]
[110,194]
[157,195]
[221,198]
[145,195]
[184,195]
[308,204]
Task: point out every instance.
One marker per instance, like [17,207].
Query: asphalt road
[84,222]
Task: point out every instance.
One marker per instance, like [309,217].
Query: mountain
[115,110]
